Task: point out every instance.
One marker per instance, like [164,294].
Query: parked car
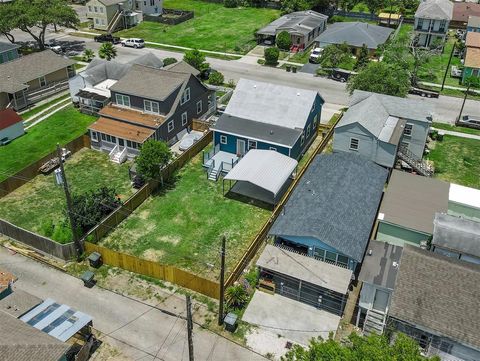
[469,121]
[133,43]
[4,141]
[424,92]
[456,72]
[52,45]
[107,38]
[341,75]
[315,55]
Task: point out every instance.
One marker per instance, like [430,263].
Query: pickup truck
[341,75]
[107,38]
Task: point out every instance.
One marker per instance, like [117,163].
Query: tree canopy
[196,59]
[284,41]
[107,51]
[333,55]
[154,155]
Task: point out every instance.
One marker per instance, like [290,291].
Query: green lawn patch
[38,109]
[40,140]
[454,128]
[457,160]
[183,224]
[213,27]
[40,202]
[301,57]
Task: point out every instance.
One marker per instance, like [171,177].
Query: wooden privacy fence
[26,174]
[263,233]
[156,270]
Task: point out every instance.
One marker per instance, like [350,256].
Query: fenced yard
[39,205]
[214,27]
[182,225]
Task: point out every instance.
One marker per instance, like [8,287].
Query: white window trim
[122,97]
[170,126]
[186,94]
[94,136]
[40,81]
[252,142]
[151,103]
[223,139]
[184,118]
[201,106]
[308,130]
[358,144]
[410,129]
[273,148]
[302,139]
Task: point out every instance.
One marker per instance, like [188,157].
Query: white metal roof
[271,103]
[266,169]
[464,195]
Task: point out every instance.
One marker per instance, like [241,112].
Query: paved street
[140,331]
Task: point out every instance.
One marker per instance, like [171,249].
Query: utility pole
[464,100]
[222,283]
[189,329]
[448,66]
[76,241]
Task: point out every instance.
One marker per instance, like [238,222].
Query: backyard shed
[11,125]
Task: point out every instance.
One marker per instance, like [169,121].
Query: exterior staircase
[114,22]
[118,156]
[212,175]
[374,322]
[418,165]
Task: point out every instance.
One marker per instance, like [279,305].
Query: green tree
[271,56]
[374,5]
[289,6]
[284,41]
[319,5]
[107,51]
[216,78]
[154,155]
[347,5]
[358,348]
[33,17]
[333,55]
[88,55]
[196,59]
[7,21]
[380,77]
[230,3]
[236,297]
[169,61]
[362,58]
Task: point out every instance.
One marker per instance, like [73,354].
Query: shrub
[230,3]
[216,78]
[236,297]
[284,40]
[261,61]
[169,61]
[335,19]
[271,56]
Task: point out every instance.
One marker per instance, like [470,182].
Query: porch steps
[418,165]
[213,175]
[374,322]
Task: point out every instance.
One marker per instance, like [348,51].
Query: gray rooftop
[299,21]
[22,342]
[355,34]
[7,46]
[257,130]
[474,21]
[182,67]
[336,202]
[18,303]
[148,59]
[380,268]
[15,74]
[435,9]
[438,293]
[457,234]
[111,2]
[411,201]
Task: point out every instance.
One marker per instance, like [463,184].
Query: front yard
[184,223]
[40,140]
[40,203]
[214,27]
[457,160]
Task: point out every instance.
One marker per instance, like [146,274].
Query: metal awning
[266,169]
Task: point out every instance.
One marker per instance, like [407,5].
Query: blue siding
[231,146]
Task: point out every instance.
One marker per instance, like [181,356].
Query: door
[240,147]
[380,301]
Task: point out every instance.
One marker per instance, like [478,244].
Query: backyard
[184,223]
[40,203]
[457,160]
[40,140]
[214,27]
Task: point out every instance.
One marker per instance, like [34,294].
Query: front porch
[218,162]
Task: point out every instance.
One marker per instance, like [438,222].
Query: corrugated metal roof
[464,195]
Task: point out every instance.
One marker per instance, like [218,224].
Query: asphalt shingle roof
[355,34]
[300,21]
[438,293]
[336,201]
[463,11]
[435,9]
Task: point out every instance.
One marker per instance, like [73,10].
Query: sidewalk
[457,134]
[448,87]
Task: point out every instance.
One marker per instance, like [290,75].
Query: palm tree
[88,55]
[107,51]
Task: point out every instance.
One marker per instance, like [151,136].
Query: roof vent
[271,132]
[255,86]
[298,94]
[395,264]
[370,252]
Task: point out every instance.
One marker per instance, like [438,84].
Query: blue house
[265,116]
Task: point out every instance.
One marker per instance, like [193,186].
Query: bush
[261,61]
[284,40]
[271,56]
[236,297]
[216,78]
[335,19]
[169,61]
[230,3]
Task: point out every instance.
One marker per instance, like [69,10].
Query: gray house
[432,20]
[435,301]
[8,52]
[384,128]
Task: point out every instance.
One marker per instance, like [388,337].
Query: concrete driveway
[309,68]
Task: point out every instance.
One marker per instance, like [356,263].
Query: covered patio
[261,174]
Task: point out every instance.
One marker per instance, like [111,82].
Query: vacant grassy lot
[40,202]
[40,140]
[213,27]
[183,225]
[457,160]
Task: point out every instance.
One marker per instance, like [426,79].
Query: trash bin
[294,69]
[288,67]
[88,279]
[95,259]
[440,136]
[230,321]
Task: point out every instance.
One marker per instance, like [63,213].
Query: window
[97,21]
[184,118]
[331,256]
[104,137]
[42,81]
[151,107]
[70,71]
[129,144]
[123,100]
[314,123]
[353,144]
[103,21]
[319,253]
[101,9]
[199,107]
[343,260]
[408,129]
[252,144]
[95,9]
[443,23]
[223,139]
[313,108]
[420,23]
[152,2]
[121,142]
[308,130]
[90,8]
[170,126]
[185,96]
[302,139]
[94,136]
[273,148]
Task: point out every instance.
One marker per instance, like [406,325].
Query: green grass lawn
[213,27]
[453,128]
[457,160]
[183,225]
[40,140]
[36,110]
[41,202]
[301,57]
